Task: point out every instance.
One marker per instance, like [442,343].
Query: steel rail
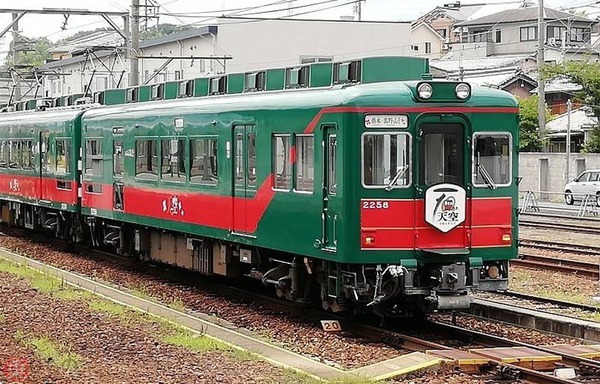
[555,264]
[555,245]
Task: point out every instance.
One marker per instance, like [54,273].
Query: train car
[399,196]
[39,182]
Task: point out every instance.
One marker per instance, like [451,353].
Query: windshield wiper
[400,171]
[489,181]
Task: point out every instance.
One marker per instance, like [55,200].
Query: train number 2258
[375,204]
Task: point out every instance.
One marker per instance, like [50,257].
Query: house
[515,31]
[512,73]
[426,41]
[580,122]
[232,44]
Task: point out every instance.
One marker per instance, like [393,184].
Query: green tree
[586,74]
[529,139]
[34,54]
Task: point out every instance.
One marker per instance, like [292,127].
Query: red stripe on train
[400,224]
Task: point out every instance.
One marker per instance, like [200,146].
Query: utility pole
[135,43]
[568,139]
[358,9]
[540,63]
[16,56]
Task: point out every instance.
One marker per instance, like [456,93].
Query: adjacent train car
[400,195]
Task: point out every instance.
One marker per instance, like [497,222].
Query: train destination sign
[386,121]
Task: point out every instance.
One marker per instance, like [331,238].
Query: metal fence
[554,202]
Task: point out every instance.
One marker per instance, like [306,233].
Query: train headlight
[425,91]
[493,272]
[463,91]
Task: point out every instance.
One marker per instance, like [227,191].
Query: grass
[526,281]
[54,352]
[168,332]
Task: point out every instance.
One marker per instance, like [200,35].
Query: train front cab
[438,202]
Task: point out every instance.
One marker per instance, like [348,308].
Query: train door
[44,165]
[244,174]
[330,183]
[441,185]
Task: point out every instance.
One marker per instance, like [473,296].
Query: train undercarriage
[402,290]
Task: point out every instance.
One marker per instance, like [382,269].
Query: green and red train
[400,195]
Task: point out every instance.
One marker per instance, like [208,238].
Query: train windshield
[492,159]
[442,154]
[385,160]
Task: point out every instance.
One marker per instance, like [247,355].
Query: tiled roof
[523,14]
[580,120]
[452,65]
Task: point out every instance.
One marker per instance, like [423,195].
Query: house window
[580,35]
[414,47]
[315,59]
[498,36]
[442,32]
[556,33]
[427,47]
[177,75]
[528,33]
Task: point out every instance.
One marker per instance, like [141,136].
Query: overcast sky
[390,10]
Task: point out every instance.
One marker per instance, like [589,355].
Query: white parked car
[587,183]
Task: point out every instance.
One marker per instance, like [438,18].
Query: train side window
[305,163]
[63,155]
[14,157]
[4,154]
[27,154]
[282,166]
[386,160]
[118,158]
[146,159]
[203,161]
[93,157]
[173,160]
[251,159]
[492,159]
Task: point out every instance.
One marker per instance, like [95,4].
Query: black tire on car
[569,198]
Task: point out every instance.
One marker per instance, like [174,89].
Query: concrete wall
[546,171]
[278,43]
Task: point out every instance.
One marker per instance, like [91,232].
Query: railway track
[549,301]
[558,246]
[581,268]
[561,226]
[392,338]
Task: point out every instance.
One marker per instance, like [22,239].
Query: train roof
[376,94]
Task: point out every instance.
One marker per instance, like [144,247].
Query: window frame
[86,175]
[31,160]
[161,158]
[410,159]
[68,154]
[527,29]
[510,158]
[295,165]
[274,137]
[135,163]
[191,162]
